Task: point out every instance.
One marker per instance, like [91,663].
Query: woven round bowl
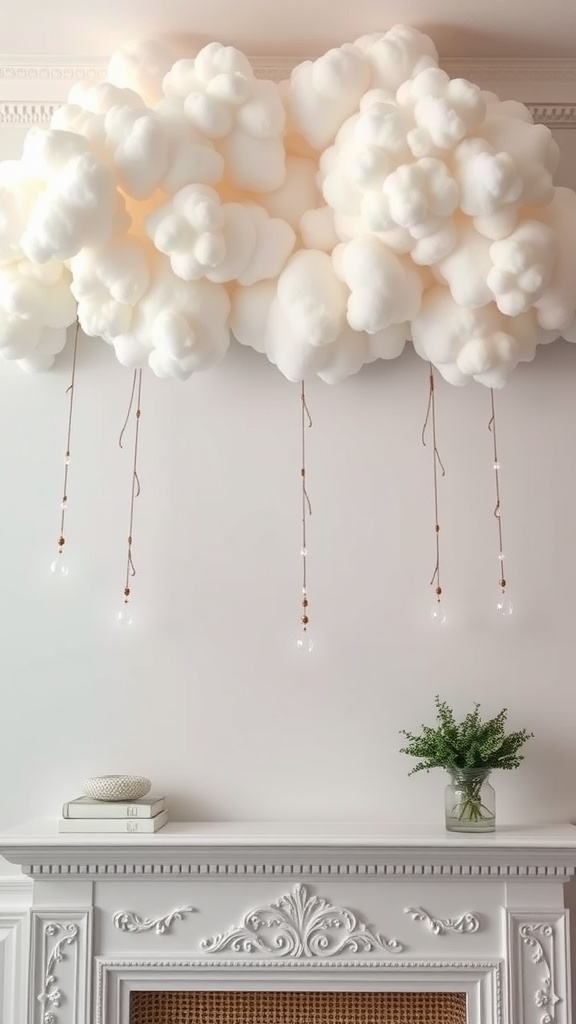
[117,787]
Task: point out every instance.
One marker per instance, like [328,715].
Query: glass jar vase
[470,802]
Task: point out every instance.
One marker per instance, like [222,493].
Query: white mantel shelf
[291,905]
[293,847]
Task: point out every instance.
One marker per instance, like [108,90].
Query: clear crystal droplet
[304,642]
[438,615]
[67,459]
[303,551]
[496,465]
[501,557]
[125,615]
[504,605]
[58,567]
[64,503]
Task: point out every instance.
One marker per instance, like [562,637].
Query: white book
[87,807]
[79,825]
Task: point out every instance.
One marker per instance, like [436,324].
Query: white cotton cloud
[324,220]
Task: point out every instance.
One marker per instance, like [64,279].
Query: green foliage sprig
[469,745]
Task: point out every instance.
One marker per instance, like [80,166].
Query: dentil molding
[301,925]
[30,89]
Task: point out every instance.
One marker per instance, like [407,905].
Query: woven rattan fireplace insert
[297,1008]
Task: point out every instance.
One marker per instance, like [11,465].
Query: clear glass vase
[470,802]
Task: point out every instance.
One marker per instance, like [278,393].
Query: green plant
[469,750]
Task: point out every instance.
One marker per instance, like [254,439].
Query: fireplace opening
[297,1007]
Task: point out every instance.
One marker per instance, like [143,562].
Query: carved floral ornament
[51,995]
[183,204]
[301,925]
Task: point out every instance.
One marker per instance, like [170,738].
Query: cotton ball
[107,283]
[313,300]
[40,293]
[132,350]
[190,230]
[531,147]
[257,165]
[249,314]
[261,115]
[178,327]
[465,344]
[444,110]
[521,267]
[318,230]
[288,347]
[79,204]
[274,243]
[345,356]
[396,55]
[488,181]
[489,360]
[140,150]
[220,241]
[322,94]
[384,289]
[420,198]
[141,66]
[557,305]
[298,193]
[215,59]
[100,97]
[465,269]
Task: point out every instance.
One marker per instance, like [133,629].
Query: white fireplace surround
[285,906]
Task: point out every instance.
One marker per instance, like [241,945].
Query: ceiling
[299,28]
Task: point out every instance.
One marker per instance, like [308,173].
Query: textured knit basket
[297,1008]
[117,787]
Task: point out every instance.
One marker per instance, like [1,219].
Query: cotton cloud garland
[324,221]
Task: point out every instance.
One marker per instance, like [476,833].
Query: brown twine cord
[69,391]
[497,508]
[135,490]
[305,423]
[437,462]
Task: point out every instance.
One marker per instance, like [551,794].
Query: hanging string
[304,641]
[58,567]
[124,615]
[504,604]
[430,420]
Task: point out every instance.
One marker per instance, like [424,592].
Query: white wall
[205,693]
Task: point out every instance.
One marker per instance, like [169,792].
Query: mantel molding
[32,87]
[237,850]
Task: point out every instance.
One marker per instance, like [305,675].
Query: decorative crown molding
[299,925]
[537,82]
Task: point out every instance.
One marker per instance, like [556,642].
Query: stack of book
[84,814]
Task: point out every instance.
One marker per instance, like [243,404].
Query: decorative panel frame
[60,966]
[538,952]
[480,980]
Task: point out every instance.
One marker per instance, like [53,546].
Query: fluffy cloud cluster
[323,221]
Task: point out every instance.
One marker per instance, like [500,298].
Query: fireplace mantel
[263,848]
[279,906]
